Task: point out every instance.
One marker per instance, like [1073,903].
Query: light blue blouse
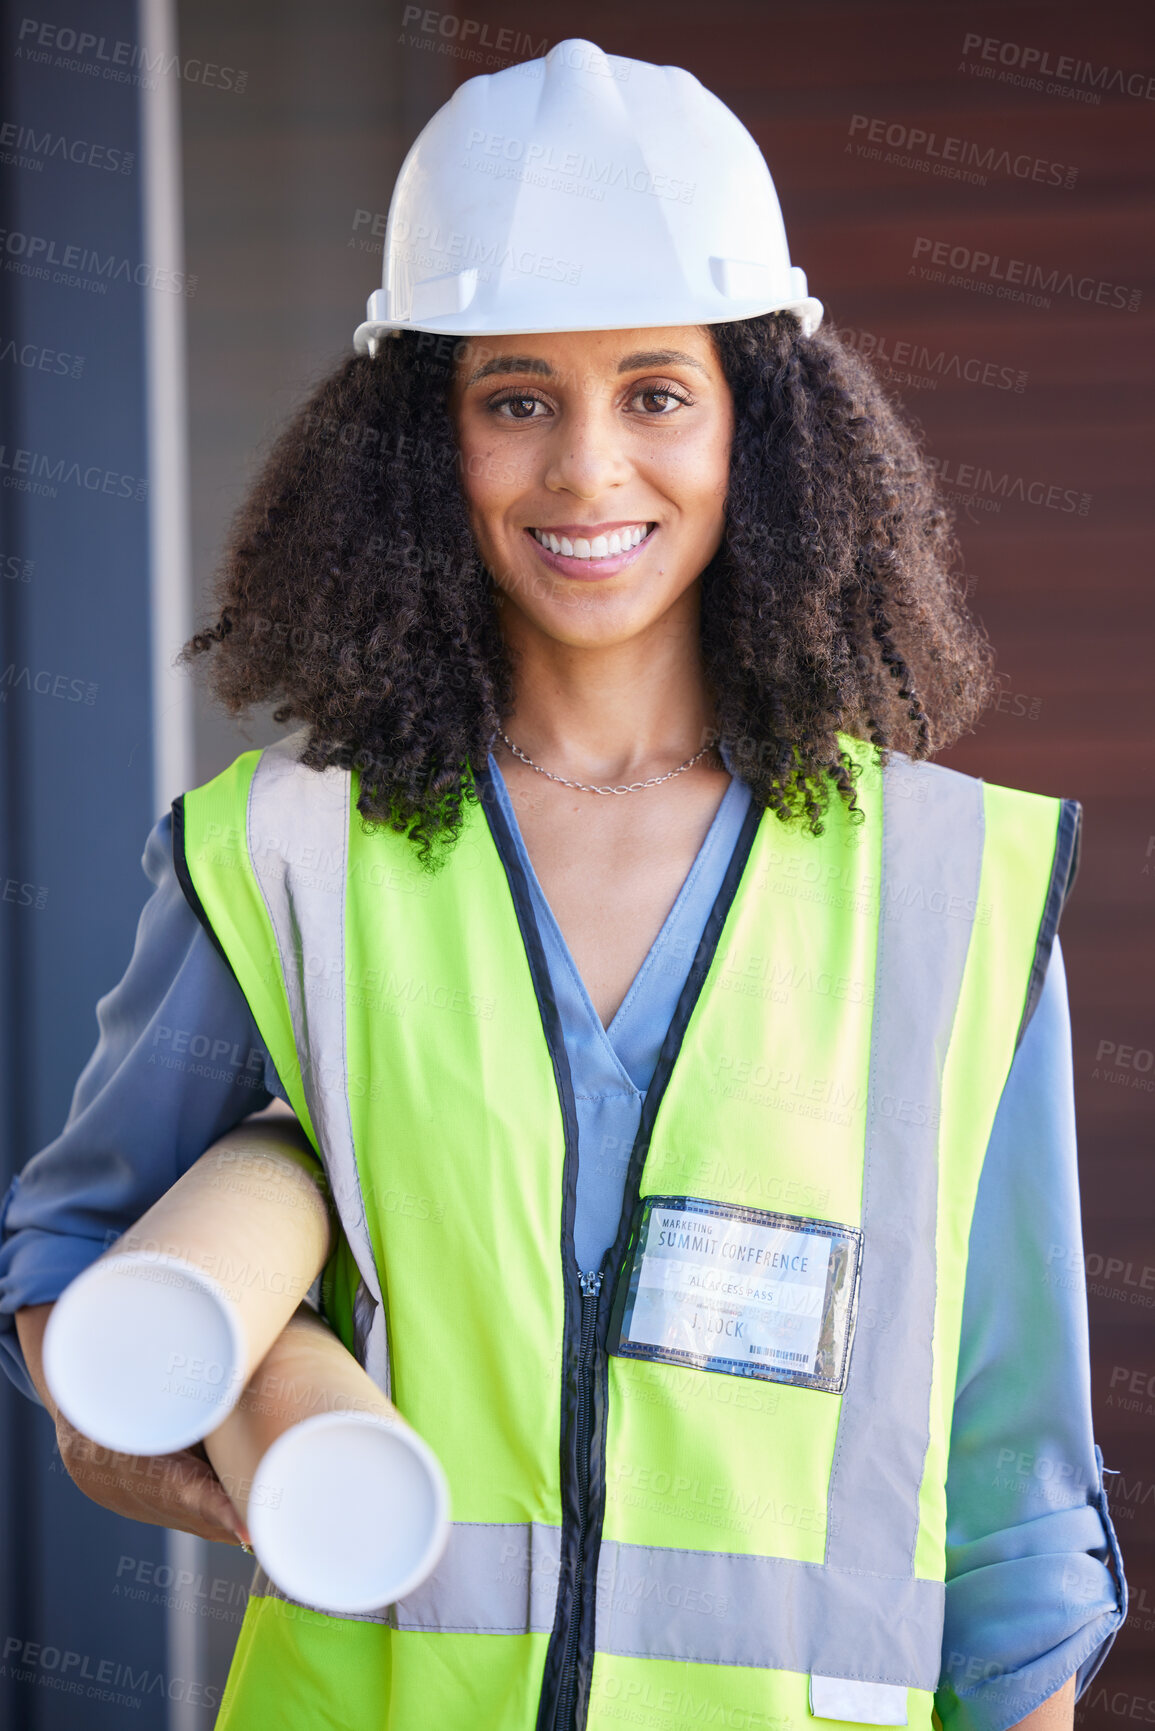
[1030,1599]
[612,1067]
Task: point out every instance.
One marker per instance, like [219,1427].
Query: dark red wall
[1064,593]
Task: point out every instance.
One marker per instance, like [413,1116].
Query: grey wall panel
[75,776]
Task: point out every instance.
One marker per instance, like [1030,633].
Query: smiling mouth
[609,546]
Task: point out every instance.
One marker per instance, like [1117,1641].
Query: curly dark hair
[351,590]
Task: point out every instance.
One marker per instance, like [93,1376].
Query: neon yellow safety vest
[644,1533]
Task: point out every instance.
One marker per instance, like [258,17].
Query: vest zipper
[567,1666]
[591,1285]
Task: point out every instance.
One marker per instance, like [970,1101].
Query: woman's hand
[178,1490]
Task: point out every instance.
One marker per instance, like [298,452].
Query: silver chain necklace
[631,787]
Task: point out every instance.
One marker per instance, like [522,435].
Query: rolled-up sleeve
[178,1061]
[1035,1589]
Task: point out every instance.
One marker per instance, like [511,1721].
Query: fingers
[179,1490]
[215,1508]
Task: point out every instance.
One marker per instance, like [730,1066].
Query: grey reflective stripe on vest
[495,1578]
[704,1607]
[306,905]
[862,1610]
[932,849]
[715,1608]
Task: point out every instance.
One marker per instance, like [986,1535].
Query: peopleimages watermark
[24,147]
[37,358]
[916,364]
[1127,1495]
[465,37]
[24,895]
[986,489]
[119,61]
[15,569]
[1031,68]
[1018,279]
[1103,1276]
[541,164]
[430,247]
[1016,703]
[37,472]
[96,1679]
[46,684]
[949,157]
[1046,1476]
[1124,1066]
[33,255]
[198,1054]
[1119,1703]
[141,1579]
[483,44]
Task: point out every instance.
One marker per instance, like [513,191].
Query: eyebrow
[658,358]
[511,364]
[534,364]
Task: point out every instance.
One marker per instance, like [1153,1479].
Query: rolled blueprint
[148,1349]
[347,1507]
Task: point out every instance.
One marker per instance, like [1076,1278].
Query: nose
[586,454]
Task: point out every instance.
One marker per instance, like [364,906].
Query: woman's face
[595,466]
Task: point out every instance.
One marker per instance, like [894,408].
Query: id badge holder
[739,1291]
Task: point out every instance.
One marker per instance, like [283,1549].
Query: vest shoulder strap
[303,803]
[1015,811]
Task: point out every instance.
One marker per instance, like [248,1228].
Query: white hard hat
[583,192]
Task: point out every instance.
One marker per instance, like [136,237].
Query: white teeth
[601,547]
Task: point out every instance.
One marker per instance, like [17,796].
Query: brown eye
[667,401]
[521,407]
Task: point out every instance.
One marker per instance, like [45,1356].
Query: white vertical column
[167,409]
[170,590]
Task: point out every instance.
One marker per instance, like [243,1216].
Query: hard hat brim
[809,312]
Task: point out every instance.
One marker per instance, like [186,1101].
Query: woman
[690,1059]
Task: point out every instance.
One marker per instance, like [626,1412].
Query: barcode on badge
[786,1357]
